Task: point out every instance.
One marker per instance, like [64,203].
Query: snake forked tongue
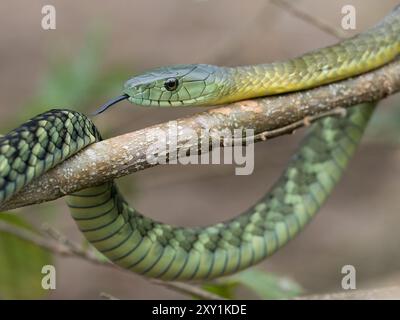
[110,103]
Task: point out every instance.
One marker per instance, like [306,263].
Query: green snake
[159,250]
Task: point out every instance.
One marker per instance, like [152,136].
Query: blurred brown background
[357,226]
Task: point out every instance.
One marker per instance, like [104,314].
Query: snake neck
[351,57]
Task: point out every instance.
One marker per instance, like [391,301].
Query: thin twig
[58,248]
[35,239]
[74,248]
[338,33]
[188,289]
[289,129]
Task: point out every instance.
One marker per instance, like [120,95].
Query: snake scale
[159,250]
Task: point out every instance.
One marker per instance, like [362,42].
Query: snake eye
[171,84]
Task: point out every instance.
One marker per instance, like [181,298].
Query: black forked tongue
[110,103]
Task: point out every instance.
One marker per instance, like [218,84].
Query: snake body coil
[154,249]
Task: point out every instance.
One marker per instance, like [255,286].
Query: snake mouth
[110,103]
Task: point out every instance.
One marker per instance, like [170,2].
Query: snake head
[179,85]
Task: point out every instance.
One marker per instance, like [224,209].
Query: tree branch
[269,117]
